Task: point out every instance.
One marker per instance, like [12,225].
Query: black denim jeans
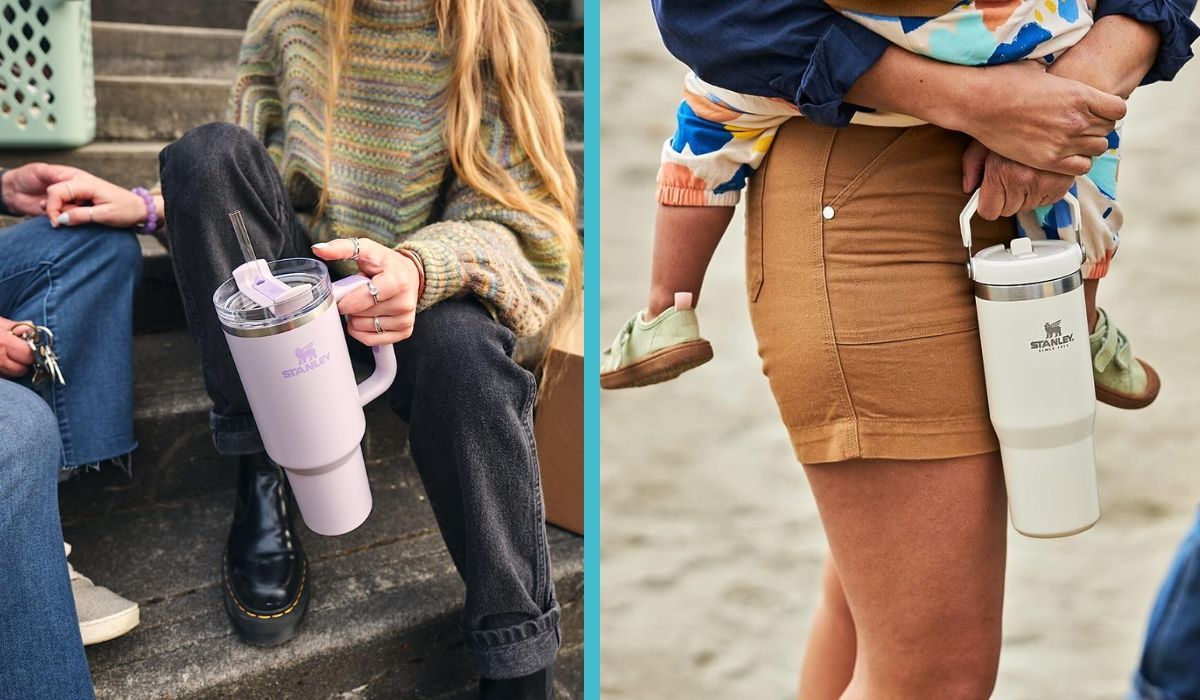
[468,404]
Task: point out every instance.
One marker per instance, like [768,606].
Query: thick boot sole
[267,629]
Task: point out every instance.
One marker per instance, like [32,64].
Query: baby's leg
[685,239]
[720,140]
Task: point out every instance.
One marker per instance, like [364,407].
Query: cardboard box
[558,430]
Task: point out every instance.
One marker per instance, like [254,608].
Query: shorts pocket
[856,154]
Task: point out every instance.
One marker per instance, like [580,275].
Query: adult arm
[1017,109]
[1170,20]
[804,51]
[1116,56]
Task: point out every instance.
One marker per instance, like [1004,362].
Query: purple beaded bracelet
[151,224]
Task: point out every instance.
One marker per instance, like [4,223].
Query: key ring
[31,334]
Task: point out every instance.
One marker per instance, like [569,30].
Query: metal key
[41,343]
[49,361]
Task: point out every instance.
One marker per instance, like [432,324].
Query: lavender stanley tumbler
[292,358]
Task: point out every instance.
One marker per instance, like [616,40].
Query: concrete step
[126,164]
[156,108]
[127,49]
[573,114]
[165,108]
[122,48]
[561,9]
[385,597]
[231,14]
[567,35]
[383,620]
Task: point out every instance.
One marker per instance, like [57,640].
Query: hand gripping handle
[964,223]
[385,355]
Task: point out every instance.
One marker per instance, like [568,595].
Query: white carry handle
[964,219]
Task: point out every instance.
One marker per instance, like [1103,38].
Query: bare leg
[684,241]
[920,549]
[829,656]
[1089,299]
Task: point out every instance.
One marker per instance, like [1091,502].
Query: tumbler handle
[964,224]
[385,355]
[964,219]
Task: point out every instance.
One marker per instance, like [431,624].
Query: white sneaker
[103,615]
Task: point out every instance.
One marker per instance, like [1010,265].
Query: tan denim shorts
[859,295]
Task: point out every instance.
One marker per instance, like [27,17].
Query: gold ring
[378,325]
[373,290]
[356,249]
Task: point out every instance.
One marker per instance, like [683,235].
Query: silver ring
[70,190]
[378,325]
[373,290]
[356,249]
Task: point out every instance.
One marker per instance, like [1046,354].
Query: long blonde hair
[507,43]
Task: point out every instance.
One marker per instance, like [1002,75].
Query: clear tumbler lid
[242,317]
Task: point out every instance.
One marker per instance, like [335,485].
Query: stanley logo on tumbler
[308,359]
[1054,337]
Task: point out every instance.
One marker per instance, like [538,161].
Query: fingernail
[321,245]
[64,218]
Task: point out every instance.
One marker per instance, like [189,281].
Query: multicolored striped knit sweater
[389,156]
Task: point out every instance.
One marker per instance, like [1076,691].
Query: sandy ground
[710,540]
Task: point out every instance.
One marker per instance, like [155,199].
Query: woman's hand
[86,199]
[24,189]
[1042,120]
[15,354]
[398,281]
[1006,186]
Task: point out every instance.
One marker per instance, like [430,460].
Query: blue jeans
[1170,666]
[79,283]
[41,652]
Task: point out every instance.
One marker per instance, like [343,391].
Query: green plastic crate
[47,91]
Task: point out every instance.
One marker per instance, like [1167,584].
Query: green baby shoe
[649,352]
[1122,380]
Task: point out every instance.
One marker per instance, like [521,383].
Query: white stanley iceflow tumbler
[1038,368]
[284,332]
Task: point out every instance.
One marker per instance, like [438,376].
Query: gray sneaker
[103,615]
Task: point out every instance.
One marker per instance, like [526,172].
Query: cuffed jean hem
[1145,690]
[234,436]
[515,651]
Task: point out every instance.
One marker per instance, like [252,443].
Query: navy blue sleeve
[800,50]
[1172,18]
